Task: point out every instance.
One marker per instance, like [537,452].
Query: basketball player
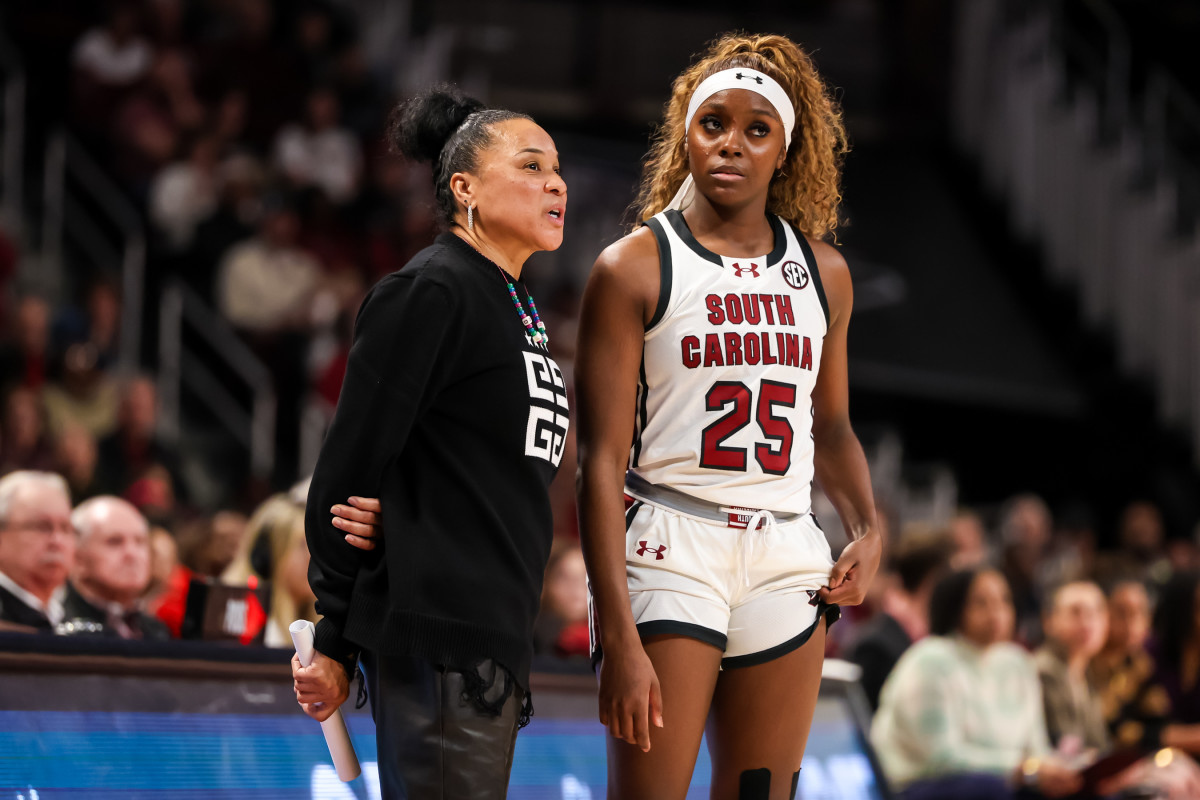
[714,339]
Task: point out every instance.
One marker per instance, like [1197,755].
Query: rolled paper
[337,737]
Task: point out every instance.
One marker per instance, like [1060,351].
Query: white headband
[735,78]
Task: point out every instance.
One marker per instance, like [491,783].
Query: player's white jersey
[730,360]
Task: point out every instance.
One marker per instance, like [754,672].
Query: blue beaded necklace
[537,334]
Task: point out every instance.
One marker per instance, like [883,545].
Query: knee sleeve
[755,784]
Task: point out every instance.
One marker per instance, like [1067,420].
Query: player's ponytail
[448,129]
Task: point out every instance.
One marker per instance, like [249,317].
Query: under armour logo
[739,269]
[756,78]
[646,548]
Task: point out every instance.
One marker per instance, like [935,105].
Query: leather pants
[435,740]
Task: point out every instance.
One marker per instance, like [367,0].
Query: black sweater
[456,420]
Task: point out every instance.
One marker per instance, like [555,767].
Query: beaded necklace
[537,334]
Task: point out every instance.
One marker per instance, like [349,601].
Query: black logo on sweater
[546,431]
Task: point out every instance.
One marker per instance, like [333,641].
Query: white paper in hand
[345,760]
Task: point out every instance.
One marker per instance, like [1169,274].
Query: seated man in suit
[37,549]
[112,572]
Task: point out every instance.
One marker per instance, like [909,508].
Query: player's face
[520,196]
[735,146]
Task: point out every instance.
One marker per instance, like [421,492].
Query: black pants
[435,739]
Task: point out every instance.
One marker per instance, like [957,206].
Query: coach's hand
[630,697]
[852,574]
[320,687]
[359,520]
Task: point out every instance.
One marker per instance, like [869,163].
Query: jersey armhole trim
[664,272]
[806,248]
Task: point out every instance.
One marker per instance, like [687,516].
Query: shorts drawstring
[750,538]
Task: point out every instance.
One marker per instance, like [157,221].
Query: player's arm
[619,299]
[841,466]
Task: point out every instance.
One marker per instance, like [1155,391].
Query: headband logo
[756,78]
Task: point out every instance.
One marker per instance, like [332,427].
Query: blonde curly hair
[809,192]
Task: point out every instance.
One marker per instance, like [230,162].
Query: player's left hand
[359,520]
[852,574]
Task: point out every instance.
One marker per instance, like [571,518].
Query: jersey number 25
[776,458]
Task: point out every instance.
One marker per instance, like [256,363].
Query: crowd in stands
[1006,667]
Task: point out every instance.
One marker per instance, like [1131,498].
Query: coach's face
[519,196]
[37,541]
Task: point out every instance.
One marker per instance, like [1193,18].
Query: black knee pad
[755,784]
[795,783]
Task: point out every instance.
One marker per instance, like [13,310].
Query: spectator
[185,193]
[135,447]
[25,359]
[26,443]
[99,324]
[312,41]
[109,61]
[112,570]
[969,541]
[1177,640]
[164,563]
[917,563]
[320,152]
[37,548]
[271,76]
[362,99]
[75,460]
[207,546]
[1141,555]
[238,212]
[85,395]
[961,714]
[266,283]
[1076,626]
[561,626]
[1025,528]
[274,550]
[149,125]
[1136,707]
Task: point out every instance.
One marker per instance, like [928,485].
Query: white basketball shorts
[752,592]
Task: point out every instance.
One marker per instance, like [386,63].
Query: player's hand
[630,697]
[320,687]
[360,521]
[852,574]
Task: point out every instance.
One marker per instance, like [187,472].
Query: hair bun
[421,126]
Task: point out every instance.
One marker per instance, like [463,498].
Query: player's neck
[736,232]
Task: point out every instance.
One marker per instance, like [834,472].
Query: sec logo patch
[795,274]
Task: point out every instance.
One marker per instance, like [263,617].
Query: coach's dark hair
[949,600]
[448,129]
